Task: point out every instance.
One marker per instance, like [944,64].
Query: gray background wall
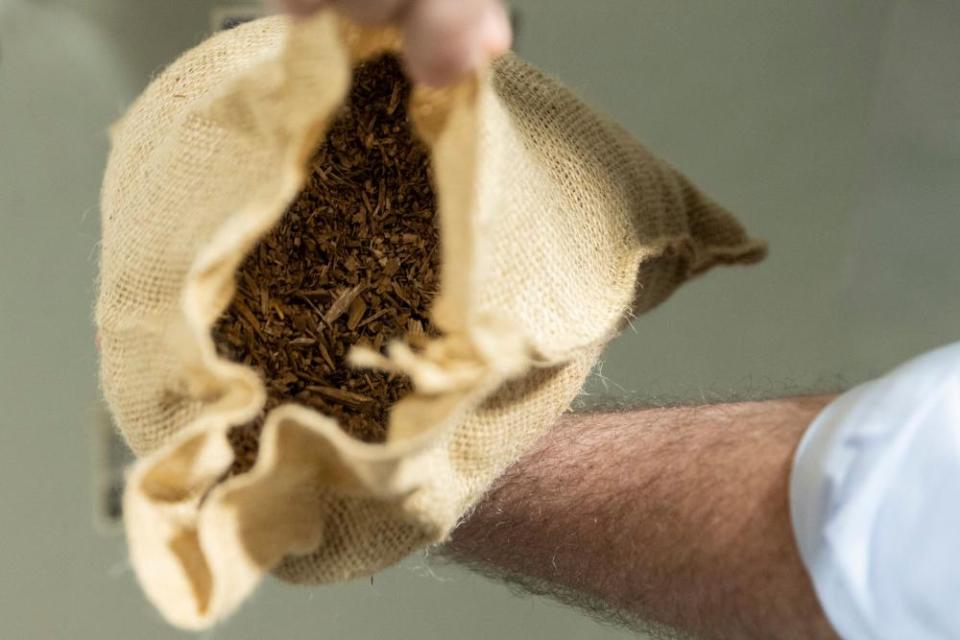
[832,127]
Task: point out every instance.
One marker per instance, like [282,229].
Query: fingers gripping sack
[333,308]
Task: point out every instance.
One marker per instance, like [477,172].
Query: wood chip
[342,303]
[347,397]
[357,308]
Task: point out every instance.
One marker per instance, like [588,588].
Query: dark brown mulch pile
[353,261]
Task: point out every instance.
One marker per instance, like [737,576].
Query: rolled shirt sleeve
[875,503]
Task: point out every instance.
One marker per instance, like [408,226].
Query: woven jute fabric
[555,225]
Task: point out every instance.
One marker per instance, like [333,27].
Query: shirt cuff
[875,503]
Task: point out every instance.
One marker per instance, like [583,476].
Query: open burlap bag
[554,225]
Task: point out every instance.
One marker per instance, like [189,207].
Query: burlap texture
[554,223]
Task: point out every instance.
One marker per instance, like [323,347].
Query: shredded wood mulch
[354,260]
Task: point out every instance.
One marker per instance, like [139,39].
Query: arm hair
[674,520]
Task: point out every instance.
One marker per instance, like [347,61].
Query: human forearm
[675,516]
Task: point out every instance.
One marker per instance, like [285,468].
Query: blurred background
[831,127]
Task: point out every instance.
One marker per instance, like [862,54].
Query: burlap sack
[554,226]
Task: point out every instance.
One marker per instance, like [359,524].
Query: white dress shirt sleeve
[875,503]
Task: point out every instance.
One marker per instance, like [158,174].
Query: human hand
[443,39]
